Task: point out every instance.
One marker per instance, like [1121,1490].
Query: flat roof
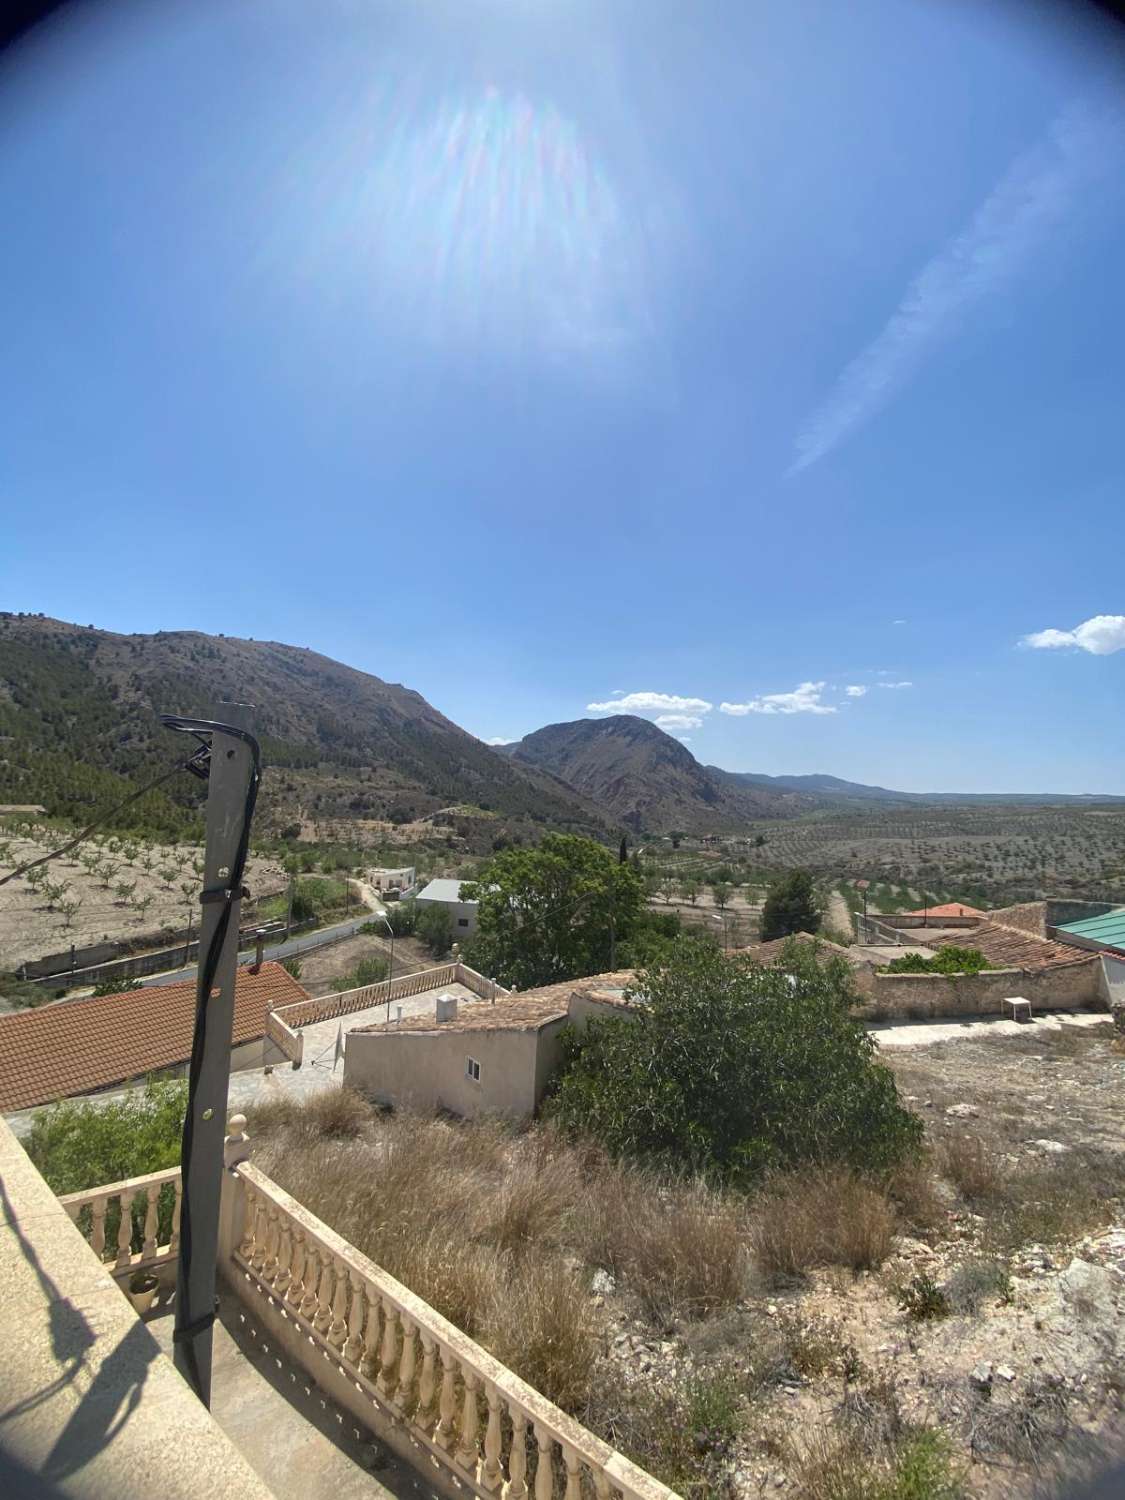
[528,1010]
[443,890]
[1108,929]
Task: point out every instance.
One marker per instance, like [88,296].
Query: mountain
[837,790]
[647,779]
[79,727]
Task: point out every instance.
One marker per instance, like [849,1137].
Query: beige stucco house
[477,1058]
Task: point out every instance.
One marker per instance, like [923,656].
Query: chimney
[445,1008]
[259,949]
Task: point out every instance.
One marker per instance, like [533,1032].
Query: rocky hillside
[79,727]
[649,780]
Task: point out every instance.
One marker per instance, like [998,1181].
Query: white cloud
[855,690]
[679,721]
[684,739]
[804,699]
[894,686]
[650,703]
[498,739]
[1101,635]
[1028,202]
[898,622]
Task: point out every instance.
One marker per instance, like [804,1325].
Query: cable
[97,823]
[185,1334]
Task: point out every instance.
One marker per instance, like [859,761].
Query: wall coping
[94,1408]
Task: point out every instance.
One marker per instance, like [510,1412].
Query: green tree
[434,926]
[730,1065]
[790,906]
[720,894]
[552,913]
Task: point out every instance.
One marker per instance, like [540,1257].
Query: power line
[97,823]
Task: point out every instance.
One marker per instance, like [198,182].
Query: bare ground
[31,927]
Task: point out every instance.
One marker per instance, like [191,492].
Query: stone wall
[938,996]
[1028,916]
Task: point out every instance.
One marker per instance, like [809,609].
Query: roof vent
[445,1008]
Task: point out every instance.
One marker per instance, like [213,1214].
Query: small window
[472,1069]
[462,921]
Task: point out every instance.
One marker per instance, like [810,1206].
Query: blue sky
[760,365]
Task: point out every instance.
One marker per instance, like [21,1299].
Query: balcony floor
[300,1442]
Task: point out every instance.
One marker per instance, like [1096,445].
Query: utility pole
[232,771]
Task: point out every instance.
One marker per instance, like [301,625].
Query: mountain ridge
[79,715]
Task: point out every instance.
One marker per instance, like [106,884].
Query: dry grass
[966,1162]
[820,1216]
[913,1191]
[501,1231]
[336,1113]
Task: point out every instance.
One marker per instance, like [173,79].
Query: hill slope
[648,779]
[79,711]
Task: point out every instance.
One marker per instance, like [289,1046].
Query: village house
[481,1058]
[83,1046]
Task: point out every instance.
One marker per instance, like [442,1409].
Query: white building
[386,879]
[447,894]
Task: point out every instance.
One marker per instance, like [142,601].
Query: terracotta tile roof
[1012,948]
[949,909]
[80,1046]
[526,1011]
[771,952]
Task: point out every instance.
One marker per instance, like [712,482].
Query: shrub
[917,1465]
[292,967]
[923,1299]
[116,986]
[973,1284]
[820,1217]
[338,1113]
[972,1168]
[726,1064]
[948,960]
[370,970]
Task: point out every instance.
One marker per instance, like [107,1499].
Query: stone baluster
[308,1305]
[447,1406]
[371,1332]
[601,1484]
[152,1194]
[323,1317]
[544,1468]
[406,1364]
[298,1264]
[466,1454]
[388,1354]
[177,1209]
[273,1238]
[493,1474]
[249,1225]
[125,1229]
[427,1382]
[284,1260]
[517,1458]
[261,1236]
[354,1346]
[97,1226]
[573,1473]
[338,1328]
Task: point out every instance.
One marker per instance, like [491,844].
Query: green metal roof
[1108,930]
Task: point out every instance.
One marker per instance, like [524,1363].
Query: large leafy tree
[726,1064]
[552,913]
[790,906]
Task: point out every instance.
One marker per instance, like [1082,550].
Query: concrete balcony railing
[429,1391]
[117,1203]
[466,1418]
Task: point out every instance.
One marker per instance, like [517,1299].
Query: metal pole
[227,786]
